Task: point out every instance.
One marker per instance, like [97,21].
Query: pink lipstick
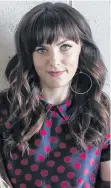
[56,74]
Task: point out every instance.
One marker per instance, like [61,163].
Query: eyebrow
[58,44]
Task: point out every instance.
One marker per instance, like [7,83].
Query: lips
[57,73]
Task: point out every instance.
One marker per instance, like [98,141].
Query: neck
[56,95]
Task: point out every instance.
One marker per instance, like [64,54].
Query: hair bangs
[49,26]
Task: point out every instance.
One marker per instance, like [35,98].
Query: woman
[54,115]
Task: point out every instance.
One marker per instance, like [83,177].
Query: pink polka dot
[44,173]
[48,123]
[13,180]
[38,183]
[73,150]
[80,180]
[24,161]
[96,167]
[77,165]
[58,130]
[67,159]
[62,120]
[86,185]
[91,162]
[70,175]
[61,169]
[8,125]
[53,139]
[48,186]
[41,157]
[83,155]
[57,154]
[62,145]
[54,178]
[66,117]
[51,163]
[104,145]
[14,156]
[89,147]
[97,151]
[108,136]
[34,167]
[43,132]
[19,147]
[86,171]
[18,172]
[28,177]
[64,184]
[37,142]
[54,114]
[22,185]
[32,152]
[47,149]
[60,109]
[9,166]
[92,177]
[68,103]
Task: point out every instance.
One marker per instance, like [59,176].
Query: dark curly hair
[89,114]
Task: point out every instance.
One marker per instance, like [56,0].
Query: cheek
[72,63]
[38,65]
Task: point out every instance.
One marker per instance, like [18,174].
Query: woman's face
[57,63]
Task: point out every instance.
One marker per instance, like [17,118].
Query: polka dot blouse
[53,160]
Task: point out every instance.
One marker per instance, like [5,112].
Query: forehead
[58,40]
[61,40]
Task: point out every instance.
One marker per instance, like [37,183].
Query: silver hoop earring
[41,92]
[89,86]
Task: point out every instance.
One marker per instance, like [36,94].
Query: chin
[57,85]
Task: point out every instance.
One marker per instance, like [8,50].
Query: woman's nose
[55,59]
[54,62]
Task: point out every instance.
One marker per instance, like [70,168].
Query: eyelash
[42,48]
[67,45]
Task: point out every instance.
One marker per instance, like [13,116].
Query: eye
[40,50]
[65,47]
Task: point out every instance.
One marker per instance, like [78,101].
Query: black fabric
[105,154]
[102,184]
